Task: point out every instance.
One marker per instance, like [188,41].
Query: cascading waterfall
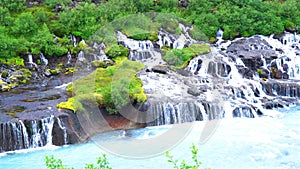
[69,56]
[80,56]
[30,61]
[28,134]
[73,40]
[43,59]
[100,51]
[61,126]
[139,50]
[288,49]
[169,113]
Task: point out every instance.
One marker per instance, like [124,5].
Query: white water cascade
[100,52]
[61,126]
[73,40]
[141,50]
[80,56]
[29,134]
[43,59]
[30,61]
[69,56]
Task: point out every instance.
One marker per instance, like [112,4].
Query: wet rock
[183,3]
[285,76]
[252,51]
[263,73]
[275,73]
[184,72]
[194,91]
[160,69]
[47,73]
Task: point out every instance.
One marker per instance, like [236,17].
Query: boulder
[160,69]
[194,91]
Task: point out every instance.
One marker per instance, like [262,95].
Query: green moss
[112,87]
[18,61]
[199,49]
[26,73]
[99,63]
[290,26]
[71,104]
[259,71]
[180,57]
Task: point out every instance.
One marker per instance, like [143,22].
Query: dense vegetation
[102,162]
[44,27]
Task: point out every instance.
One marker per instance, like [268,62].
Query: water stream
[237,143]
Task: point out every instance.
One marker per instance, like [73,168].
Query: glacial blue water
[262,143]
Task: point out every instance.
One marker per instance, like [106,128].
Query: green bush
[52,163]
[183,164]
[102,162]
[180,57]
[116,51]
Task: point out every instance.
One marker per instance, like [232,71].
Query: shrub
[117,51]
[180,57]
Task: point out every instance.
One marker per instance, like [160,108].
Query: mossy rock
[26,73]
[13,85]
[4,74]
[5,88]
[99,64]
[70,105]
[96,88]
[290,26]
[70,70]
[55,71]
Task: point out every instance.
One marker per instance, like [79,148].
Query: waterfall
[43,59]
[30,60]
[29,134]
[61,126]
[139,50]
[69,56]
[169,113]
[41,132]
[80,56]
[73,40]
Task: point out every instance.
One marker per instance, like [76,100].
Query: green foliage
[13,5]
[20,27]
[52,163]
[52,3]
[5,18]
[116,51]
[183,164]
[102,162]
[18,61]
[180,57]
[43,41]
[25,25]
